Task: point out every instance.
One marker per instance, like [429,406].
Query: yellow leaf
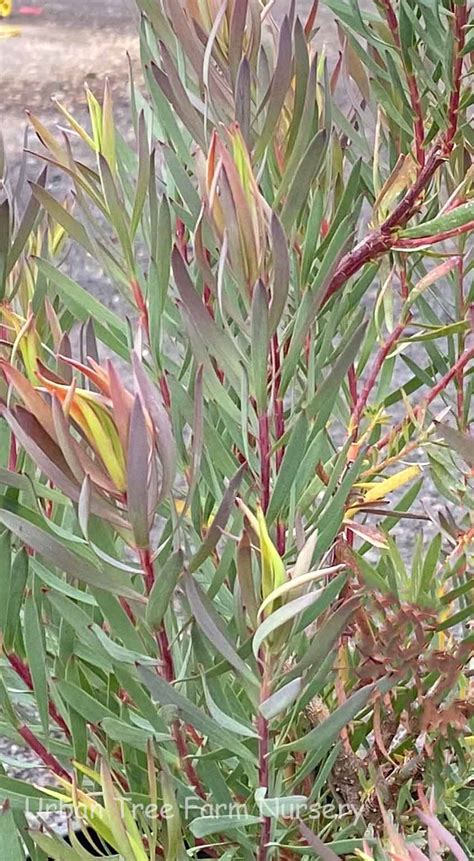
[75,125]
[103,436]
[377,490]
[273,569]
[48,140]
[401,177]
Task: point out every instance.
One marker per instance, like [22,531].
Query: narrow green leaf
[203,826]
[14,596]
[214,628]
[223,718]
[108,127]
[282,699]
[61,216]
[325,638]
[26,226]
[321,405]
[306,172]
[70,290]
[91,709]
[281,273]
[36,657]
[117,210]
[280,617]
[219,521]
[4,244]
[327,731]
[5,576]
[278,88]
[143,175]
[163,588]
[10,846]
[290,464]
[61,557]
[166,694]
[455,218]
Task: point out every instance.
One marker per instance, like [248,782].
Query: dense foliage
[231,625]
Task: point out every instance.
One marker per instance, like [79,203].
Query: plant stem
[460,21]
[42,753]
[23,671]
[352,383]
[374,373]
[458,366]
[141,307]
[418,123]
[380,241]
[433,393]
[164,648]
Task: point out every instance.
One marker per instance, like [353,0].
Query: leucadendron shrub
[236,546]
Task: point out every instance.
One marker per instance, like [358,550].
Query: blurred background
[49,48]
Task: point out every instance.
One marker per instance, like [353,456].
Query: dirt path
[70,43]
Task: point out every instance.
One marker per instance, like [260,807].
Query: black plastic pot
[88,838]
[96,847]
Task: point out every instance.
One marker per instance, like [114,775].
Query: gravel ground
[53,55]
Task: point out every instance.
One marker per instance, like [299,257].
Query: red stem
[352,382]
[460,22]
[461,363]
[169,675]
[418,124]
[423,241]
[433,393]
[374,373]
[380,241]
[23,671]
[141,306]
[42,753]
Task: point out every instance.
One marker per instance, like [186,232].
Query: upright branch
[377,365]
[43,754]
[464,359]
[22,670]
[169,676]
[461,16]
[418,122]
[380,241]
